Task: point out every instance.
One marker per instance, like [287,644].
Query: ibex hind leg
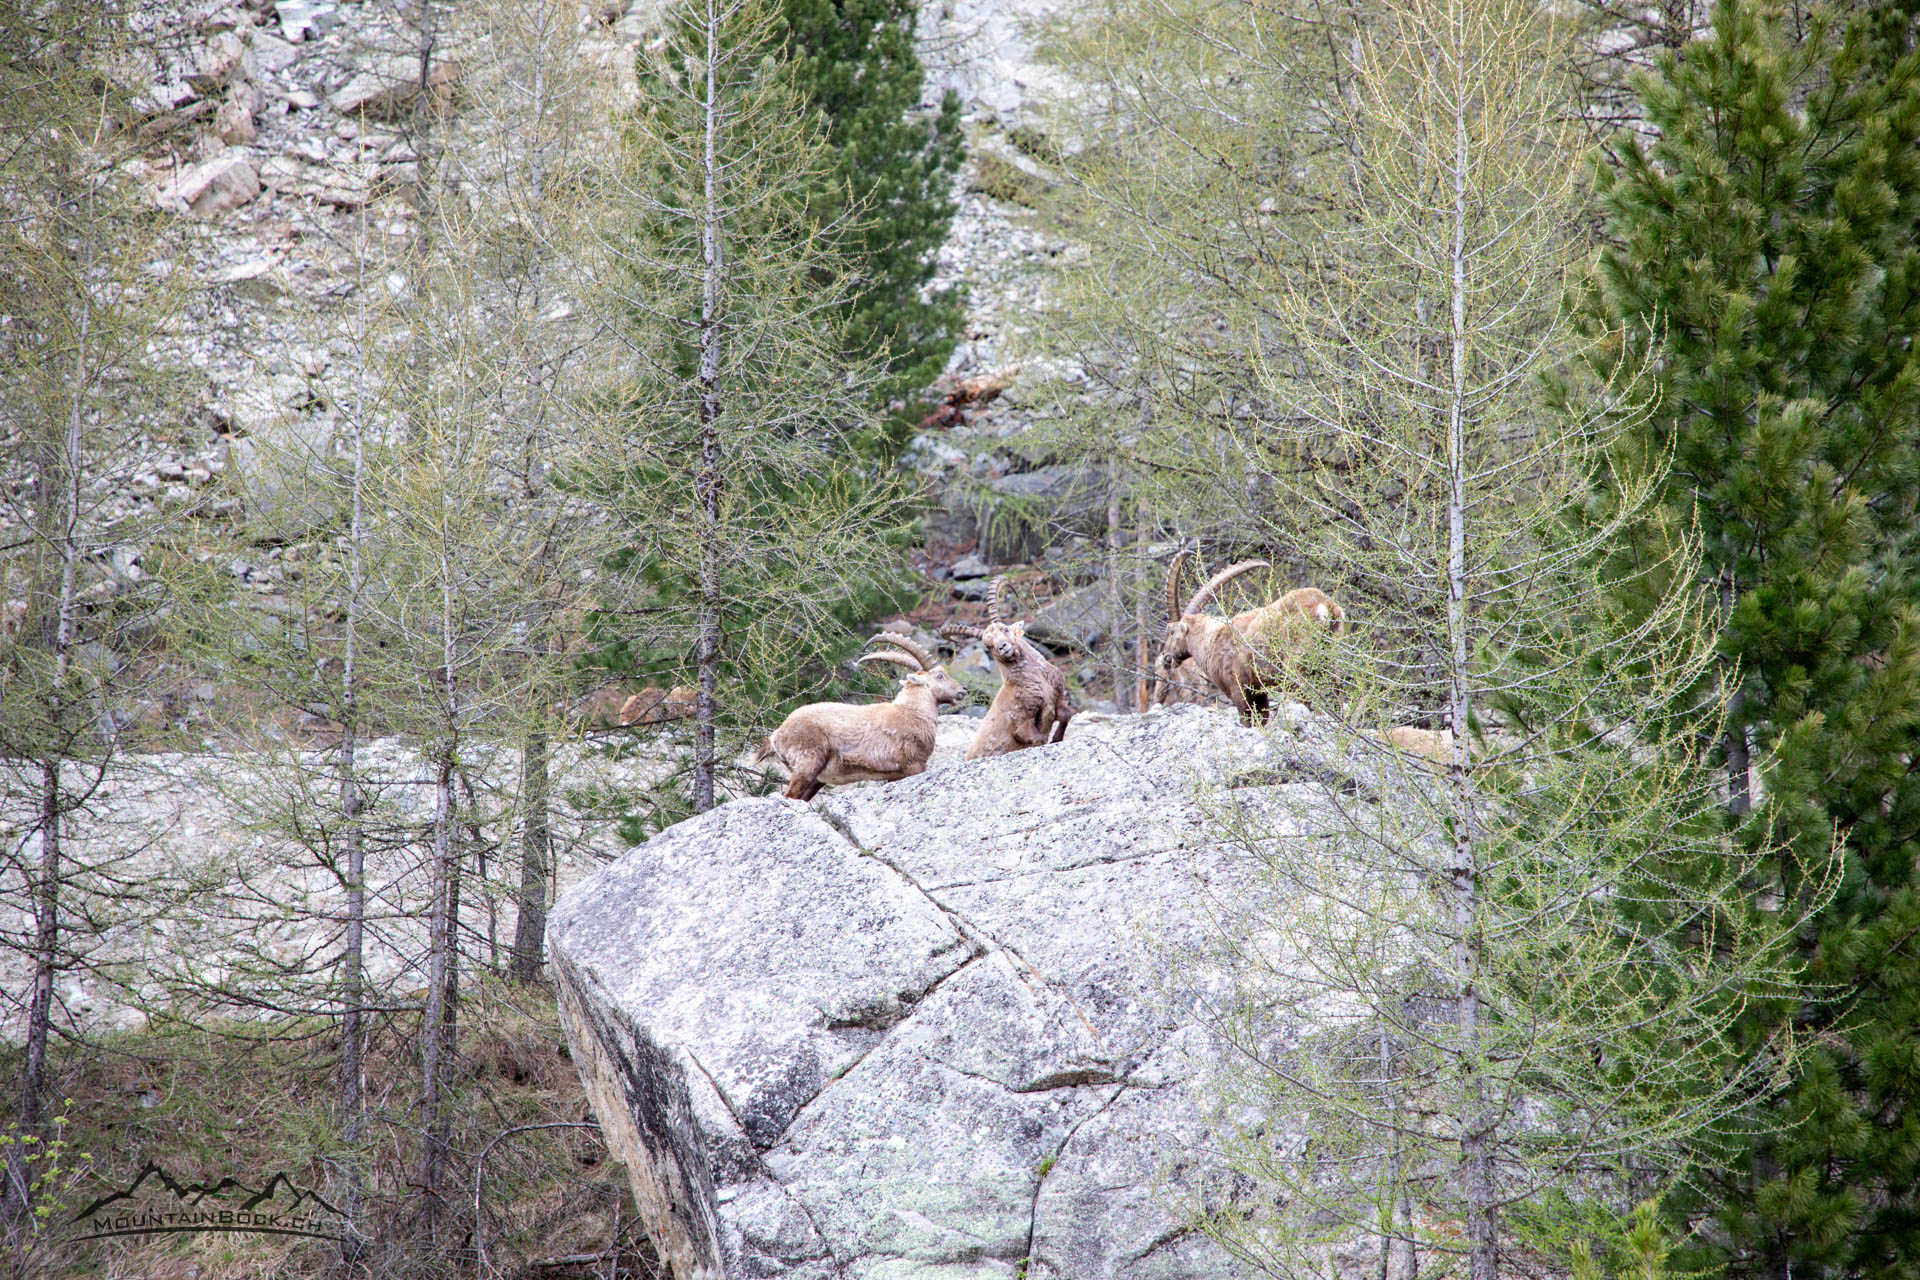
[806,784]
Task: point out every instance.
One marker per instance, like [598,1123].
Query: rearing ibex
[1031,707]
[1232,652]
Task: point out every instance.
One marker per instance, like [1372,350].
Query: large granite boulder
[922,1029]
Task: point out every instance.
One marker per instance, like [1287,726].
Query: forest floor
[220,1110]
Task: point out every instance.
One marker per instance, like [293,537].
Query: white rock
[213,188]
[219,62]
[388,83]
[233,123]
[303,19]
[270,53]
[282,173]
[250,270]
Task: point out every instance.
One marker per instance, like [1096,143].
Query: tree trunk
[1143,628]
[435,1018]
[1475,1154]
[708,482]
[353,958]
[33,1071]
[1116,597]
[437,1021]
[536,845]
[59,638]
[352,983]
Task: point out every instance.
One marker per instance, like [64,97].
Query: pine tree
[1766,249]
[854,62]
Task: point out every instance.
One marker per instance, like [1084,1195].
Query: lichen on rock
[923,1028]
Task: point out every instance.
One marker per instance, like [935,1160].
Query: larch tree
[87,294]
[440,563]
[1191,122]
[1766,261]
[1519,1017]
[1200,158]
[526,141]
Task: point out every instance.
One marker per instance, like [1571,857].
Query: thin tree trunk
[33,1073]
[708,482]
[352,981]
[1399,1259]
[477,838]
[1116,596]
[1142,618]
[536,843]
[433,1026]
[437,1024]
[1387,1230]
[1739,759]
[18,1201]
[450,984]
[353,958]
[1476,1157]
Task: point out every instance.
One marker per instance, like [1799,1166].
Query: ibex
[1233,652]
[828,743]
[1031,707]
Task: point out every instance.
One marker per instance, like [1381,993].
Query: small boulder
[219,64]
[970,567]
[393,83]
[233,124]
[213,189]
[303,19]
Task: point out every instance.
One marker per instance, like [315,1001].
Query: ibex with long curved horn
[829,743]
[1231,652]
[1031,707]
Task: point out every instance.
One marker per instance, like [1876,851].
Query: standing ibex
[1234,652]
[828,743]
[1031,707]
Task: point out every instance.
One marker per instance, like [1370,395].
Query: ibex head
[925,672]
[1004,641]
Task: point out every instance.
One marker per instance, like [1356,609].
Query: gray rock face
[1014,516]
[920,1029]
[1081,619]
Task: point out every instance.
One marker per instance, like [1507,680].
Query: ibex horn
[908,643]
[1173,584]
[1220,580]
[898,659]
[994,589]
[952,629]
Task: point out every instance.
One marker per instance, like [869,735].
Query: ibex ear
[1019,630]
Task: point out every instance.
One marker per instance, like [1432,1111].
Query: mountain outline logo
[136,1209]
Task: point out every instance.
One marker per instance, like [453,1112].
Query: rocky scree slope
[924,1029]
